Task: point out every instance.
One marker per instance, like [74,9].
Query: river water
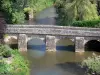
[56,63]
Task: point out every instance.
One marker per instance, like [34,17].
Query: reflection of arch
[36,44]
[92,45]
[65,44]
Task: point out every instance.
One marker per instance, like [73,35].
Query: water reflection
[56,63]
[36,53]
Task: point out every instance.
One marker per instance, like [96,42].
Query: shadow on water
[64,61]
[66,48]
[57,63]
[73,68]
[65,45]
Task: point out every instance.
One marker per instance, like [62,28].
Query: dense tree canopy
[15,9]
[76,10]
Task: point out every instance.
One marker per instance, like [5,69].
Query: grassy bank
[14,64]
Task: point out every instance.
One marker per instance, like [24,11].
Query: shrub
[92,64]
[5,51]
[91,23]
[13,12]
[19,64]
[18,17]
[4,69]
[74,10]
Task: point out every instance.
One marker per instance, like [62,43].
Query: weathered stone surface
[53,30]
[79,44]
[22,42]
[50,43]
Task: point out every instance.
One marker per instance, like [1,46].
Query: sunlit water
[56,63]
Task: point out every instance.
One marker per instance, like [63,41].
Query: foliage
[75,10]
[28,9]
[93,64]
[18,65]
[12,10]
[5,51]
[39,5]
[18,17]
[5,7]
[91,23]
[4,68]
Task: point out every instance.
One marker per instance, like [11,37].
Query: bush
[92,23]
[13,12]
[92,64]
[5,51]
[4,69]
[74,10]
[18,17]
[18,65]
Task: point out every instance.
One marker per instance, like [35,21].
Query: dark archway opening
[92,45]
[13,46]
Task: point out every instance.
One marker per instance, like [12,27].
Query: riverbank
[14,64]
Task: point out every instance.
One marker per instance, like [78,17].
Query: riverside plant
[92,64]
[17,66]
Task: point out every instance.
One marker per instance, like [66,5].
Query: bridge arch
[11,41]
[92,45]
[65,44]
[36,44]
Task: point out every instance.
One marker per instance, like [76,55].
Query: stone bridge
[51,34]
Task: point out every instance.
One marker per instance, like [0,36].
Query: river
[56,63]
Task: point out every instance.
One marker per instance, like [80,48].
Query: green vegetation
[38,5]
[42,4]
[70,11]
[81,13]
[14,65]
[90,23]
[92,64]
[14,9]
[5,51]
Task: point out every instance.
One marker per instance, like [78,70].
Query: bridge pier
[50,43]
[22,42]
[79,44]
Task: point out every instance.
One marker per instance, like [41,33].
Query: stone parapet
[52,30]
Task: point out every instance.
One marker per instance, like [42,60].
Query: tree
[76,10]
[12,10]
